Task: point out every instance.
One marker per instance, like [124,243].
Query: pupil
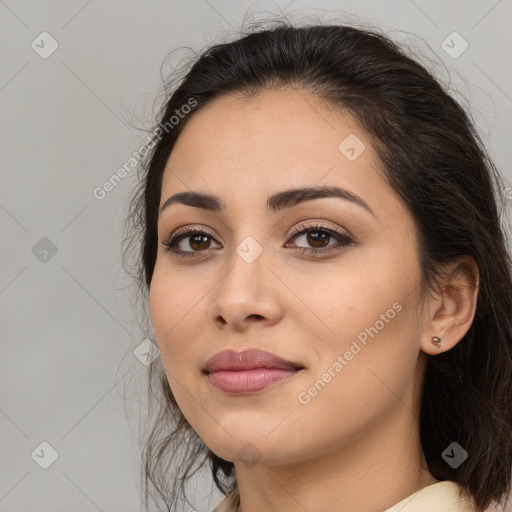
[198,246]
[317,237]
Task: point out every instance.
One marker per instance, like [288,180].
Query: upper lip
[247,360]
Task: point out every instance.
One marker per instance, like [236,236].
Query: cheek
[174,306]
[367,306]
[345,298]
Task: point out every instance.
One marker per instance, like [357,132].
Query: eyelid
[189,227]
[319,224]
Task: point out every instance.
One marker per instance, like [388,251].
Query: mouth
[248,371]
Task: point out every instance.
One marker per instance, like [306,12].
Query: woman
[328,281]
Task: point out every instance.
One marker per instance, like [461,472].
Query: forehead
[281,126]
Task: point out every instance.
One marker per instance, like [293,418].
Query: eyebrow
[276,202]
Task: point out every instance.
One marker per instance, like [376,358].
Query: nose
[247,293]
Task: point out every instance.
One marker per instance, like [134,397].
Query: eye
[197,242]
[318,237]
[195,239]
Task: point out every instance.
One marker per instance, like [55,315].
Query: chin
[251,450]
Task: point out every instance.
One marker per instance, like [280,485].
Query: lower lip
[246,381]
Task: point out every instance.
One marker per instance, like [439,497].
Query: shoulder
[445,496]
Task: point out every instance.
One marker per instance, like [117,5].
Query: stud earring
[436,341]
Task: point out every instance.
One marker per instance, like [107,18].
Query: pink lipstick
[248,371]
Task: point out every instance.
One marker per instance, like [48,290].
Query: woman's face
[348,314]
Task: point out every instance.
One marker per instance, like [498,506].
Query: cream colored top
[443,496]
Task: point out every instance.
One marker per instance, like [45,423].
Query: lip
[248,360]
[248,371]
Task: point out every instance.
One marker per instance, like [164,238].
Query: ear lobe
[453,310]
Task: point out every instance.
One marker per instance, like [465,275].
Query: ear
[452,309]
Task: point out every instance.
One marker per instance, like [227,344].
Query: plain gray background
[68,333]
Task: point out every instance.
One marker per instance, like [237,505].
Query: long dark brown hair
[434,159]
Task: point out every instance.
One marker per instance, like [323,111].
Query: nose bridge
[246,266]
[245,290]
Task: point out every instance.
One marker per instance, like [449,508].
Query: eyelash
[343,241]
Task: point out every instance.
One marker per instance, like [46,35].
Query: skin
[355,445]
